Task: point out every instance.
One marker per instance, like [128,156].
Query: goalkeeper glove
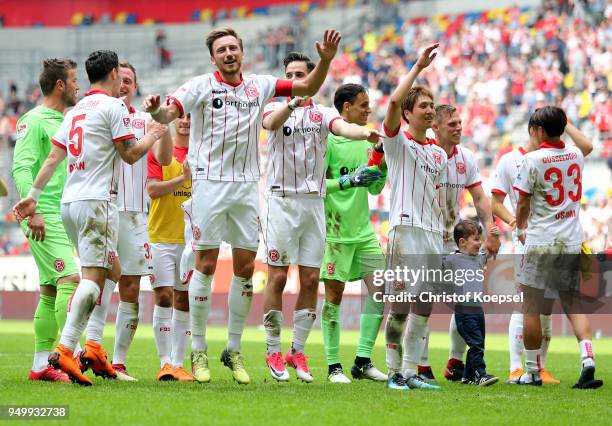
[363,176]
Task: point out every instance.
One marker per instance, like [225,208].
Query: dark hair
[465,229]
[550,118]
[413,95]
[126,64]
[99,64]
[217,33]
[53,70]
[347,93]
[298,57]
[444,110]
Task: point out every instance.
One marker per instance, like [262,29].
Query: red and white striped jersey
[89,133]
[296,151]
[461,173]
[552,175]
[416,171]
[133,196]
[225,123]
[505,175]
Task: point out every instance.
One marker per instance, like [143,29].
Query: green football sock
[369,324]
[64,293]
[330,324]
[45,326]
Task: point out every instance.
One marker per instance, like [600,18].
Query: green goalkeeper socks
[369,324]
[330,324]
[64,293]
[45,326]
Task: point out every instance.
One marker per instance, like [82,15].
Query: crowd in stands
[496,66]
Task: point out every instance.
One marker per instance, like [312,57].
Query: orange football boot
[182,375]
[94,357]
[166,373]
[514,375]
[62,359]
[547,377]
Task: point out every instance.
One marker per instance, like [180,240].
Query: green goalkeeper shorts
[54,256]
[351,262]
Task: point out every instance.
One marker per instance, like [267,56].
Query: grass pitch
[148,402]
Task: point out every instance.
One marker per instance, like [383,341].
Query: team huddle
[113,183]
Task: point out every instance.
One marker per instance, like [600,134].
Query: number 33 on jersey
[88,133]
[552,175]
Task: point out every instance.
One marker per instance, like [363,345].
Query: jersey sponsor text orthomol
[552,175]
[133,196]
[296,151]
[88,134]
[416,171]
[462,173]
[225,123]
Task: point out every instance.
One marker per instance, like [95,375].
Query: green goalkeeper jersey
[34,131]
[347,213]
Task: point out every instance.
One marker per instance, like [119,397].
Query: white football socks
[95,326]
[79,309]
[239,301]
[162,330]
[532,361]
[586,353]
[414,343]
[515,340]
[303,321]
[457,344]
[546,322]
[394,329]
[199,308]
[125,328]
[180,336]
[272,322]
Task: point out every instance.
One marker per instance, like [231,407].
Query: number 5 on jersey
[76,130]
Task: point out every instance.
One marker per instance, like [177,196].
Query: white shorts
[92,227]
[415,249]
[225,211]
[133,246]
[166,266]
[550,267]
[293,230]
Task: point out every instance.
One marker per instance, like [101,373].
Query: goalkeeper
[50,246]
[352,250]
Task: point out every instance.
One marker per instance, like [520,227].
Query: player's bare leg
[304,316]
[200,299]
[582,331]
[126,323]
[239,302]
[273,321]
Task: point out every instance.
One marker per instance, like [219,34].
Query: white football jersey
[89,133]
[225,123]
[505,175]
[552,175]
[296,151]
[416,171]
[461,173]
[133,196]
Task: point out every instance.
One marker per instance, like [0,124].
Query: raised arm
[354,131]
[164,147]
[583,143]
[161,113]
[275,119]
[327,50]
[394,110]
[131,151]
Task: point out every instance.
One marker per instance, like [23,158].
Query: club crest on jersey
[461,168]
[251,91]
[22,130]
[331,268]
[126,121]
[197,233]
[273,255]
[138,123]
[59,265]
[315,116]
[437,157]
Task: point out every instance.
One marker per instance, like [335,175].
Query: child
[469,314]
